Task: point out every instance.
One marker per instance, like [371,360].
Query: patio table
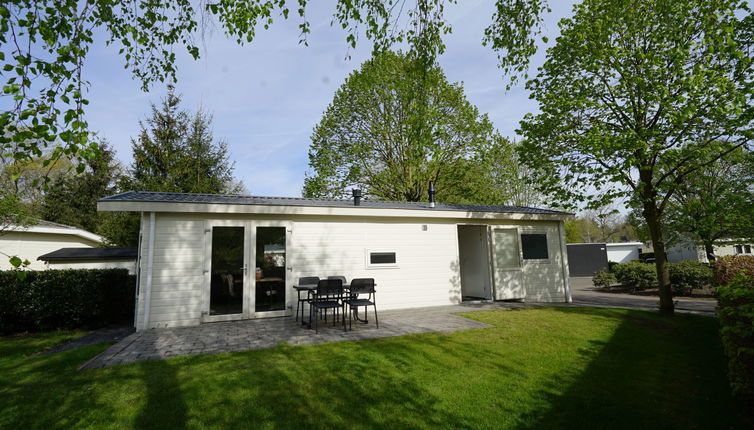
[310,288]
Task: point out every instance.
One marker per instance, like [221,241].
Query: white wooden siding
[29,245]
[427,274]
[177,271]
[543,280]
[427,270]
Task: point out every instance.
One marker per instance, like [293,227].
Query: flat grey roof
[89,254]
[151,196]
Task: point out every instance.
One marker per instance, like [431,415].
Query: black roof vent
[431,194]
[356,197]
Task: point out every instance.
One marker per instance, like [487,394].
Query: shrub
[726,268]
[53,299]
[735,311]
[611,266]
[636,275]
[604,279]
[644,255]
[686,275]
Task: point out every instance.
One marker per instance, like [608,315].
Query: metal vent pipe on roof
[431,194]
[356,197]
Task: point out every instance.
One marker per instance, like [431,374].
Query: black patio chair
[329,295]
[342,278]
[361,286]
[305,280]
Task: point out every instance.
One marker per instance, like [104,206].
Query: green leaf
[15,261]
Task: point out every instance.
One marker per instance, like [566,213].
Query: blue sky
[267,96]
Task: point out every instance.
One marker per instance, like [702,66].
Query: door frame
[493,266]
[207,263]
[249,291]
[490,271]
[288,310]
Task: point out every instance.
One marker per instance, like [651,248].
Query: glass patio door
[228,285]
[270,280]
[246,270]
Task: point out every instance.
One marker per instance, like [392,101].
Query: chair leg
[298,304]
[376,321]
[343,313]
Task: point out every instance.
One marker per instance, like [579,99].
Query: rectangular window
[739,249]
[747,249]
[534,246]
[381,259]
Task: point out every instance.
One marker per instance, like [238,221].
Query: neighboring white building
[685,249]
[41,238]
[624,252]
[202,256]
[91,258]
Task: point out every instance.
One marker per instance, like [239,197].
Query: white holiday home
[29,242]
[205,257]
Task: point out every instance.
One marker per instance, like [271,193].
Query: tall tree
[72,199]
[394,126]
[636,97]
[44,46]
[176,151]
[715,203]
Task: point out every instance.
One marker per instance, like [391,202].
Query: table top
[313,286]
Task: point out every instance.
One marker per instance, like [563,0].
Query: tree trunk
[709,250]
[652,216]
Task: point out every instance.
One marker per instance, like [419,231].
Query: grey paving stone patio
[235,336]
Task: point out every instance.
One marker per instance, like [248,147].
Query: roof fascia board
[118,206]
[59,230]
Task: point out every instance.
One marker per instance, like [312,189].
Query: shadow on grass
[371,384]
[164,405]
[654,372]
[46,391]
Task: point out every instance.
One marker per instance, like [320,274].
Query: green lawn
[536,368]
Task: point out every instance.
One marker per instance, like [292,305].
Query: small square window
[739,249]
[534,246]
[747,249]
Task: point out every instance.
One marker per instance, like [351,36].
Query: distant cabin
[685,249]
[43,237]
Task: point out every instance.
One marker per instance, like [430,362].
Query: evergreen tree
[72,199]
[176,152]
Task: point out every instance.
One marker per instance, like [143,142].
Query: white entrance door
[506,257]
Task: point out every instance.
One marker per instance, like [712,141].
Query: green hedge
[604,278]
[735,311]
[686,275]
[636,275]
[52,299]
[683,276]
